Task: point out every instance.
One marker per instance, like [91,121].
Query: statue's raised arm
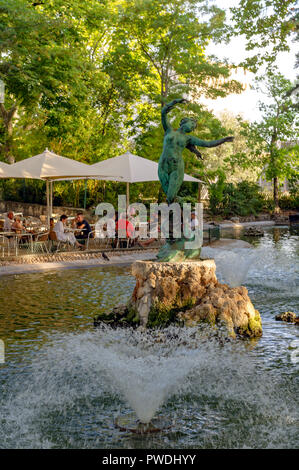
[165,110]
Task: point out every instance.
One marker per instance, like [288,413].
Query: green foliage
[216,191]
[87,79]
[31,191]
[228,199]
[289,202]
[170,37]
[267,26]
[272,142]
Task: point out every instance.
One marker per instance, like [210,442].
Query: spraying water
[259,265]
[232,265]
[79,375]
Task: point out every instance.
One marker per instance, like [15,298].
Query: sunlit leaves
[267,26]
[273,142]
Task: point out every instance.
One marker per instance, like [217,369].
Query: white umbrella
[8,171]
[133,169]
[130,168]
[50,166]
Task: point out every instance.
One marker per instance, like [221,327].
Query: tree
[267,26]
[87,79]
[159,46]
[273,142]
[170,37]
[221,158]
[36,63]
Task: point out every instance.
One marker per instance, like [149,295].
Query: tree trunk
[7,116]
[273,156]
[275,195]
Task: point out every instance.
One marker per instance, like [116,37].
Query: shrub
[289,202]
[228,199]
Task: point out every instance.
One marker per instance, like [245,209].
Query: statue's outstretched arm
[165,110]
[209,143]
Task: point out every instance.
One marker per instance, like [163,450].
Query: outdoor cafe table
[16,238]
[11,240]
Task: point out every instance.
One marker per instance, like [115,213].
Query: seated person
[194,221]
[124,226]
[83,227]
[8,221]
[153,225]
[20,228]
[52,224]
[62,236]
[147,242]
[17,225]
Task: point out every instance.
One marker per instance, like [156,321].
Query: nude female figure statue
[171,163]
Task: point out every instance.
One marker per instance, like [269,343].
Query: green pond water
[64,382]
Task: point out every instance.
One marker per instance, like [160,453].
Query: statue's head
[188,124]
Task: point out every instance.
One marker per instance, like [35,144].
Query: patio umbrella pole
[85,195]
[128,195]
[199,192]
[48,203]
[51,199]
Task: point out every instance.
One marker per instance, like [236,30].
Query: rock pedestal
[187,293]
[162,286]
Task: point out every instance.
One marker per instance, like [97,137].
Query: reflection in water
[276,234]
[57,300]
[64,382]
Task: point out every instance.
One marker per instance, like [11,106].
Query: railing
[211,233]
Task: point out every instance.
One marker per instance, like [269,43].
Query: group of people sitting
[80,230]
[13,223]
[120,229]
[77,237]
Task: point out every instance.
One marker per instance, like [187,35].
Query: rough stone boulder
[186,293]
[227,306]
[166,286]
[254,232]
[290,317]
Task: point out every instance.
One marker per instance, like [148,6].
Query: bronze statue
[171,164]
[171,175]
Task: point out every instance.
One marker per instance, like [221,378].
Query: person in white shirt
[194,221]
[8,221]
[63,236]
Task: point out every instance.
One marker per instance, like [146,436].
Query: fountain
[180,288]
[71,387]
[232,265]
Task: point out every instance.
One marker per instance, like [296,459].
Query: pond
[64,382]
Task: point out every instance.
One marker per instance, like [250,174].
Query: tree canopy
[87,79]
[274,141]
[267,26]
